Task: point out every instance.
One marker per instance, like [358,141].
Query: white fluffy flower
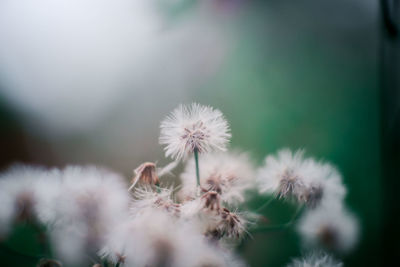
[23,191]
[90,204]
[333,228]
[228,174]
[156,239]
[216,225]
[290,175]
[193,127]
[316,259]
[145,198]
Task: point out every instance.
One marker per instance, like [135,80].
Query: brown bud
[146,174]
[212,200]
[231,223]
[213,183]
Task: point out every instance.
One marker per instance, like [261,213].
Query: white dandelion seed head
[333,228]
[91,203]
[316,259]
[284,166]
[193,127]
[323,177]
[156,239]
[228,174]
[230,225]
[146,198]
[290,175]
[23,189]
[193,212]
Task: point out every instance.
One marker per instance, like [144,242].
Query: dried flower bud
[231,224]
[146,174]
[214,183]
[212,200]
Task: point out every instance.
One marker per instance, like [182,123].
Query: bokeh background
[87,82]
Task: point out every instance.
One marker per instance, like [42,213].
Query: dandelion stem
[158,188]
[280,227]
[295,215]
[266,204]
[196,159]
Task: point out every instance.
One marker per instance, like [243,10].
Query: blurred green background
[297,74]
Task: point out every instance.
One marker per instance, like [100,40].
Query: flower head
[92,201]
[146,199]
[194,127]
[231,224]
[156,239]
[145,174]
[291,176]
[228,174]
[316,259]
[333,228]
[24,190]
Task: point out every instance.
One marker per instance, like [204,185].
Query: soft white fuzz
[193,127]
[316,259]
[290,175]
[333,228]
[228,174]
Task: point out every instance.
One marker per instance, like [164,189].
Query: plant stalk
[196,159]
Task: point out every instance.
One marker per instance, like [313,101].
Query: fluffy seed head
[146,199]
[291,176]
[24,190]
[231,224]
[156,239]
[211,200]
[333,228]
[229,174]
[193,127]
[316,259]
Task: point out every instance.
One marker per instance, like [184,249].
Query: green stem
[158,189]
[266,204]
[283,226]
[295,215]
[196,159]
[272,228]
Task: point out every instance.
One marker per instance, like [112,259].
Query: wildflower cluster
[90,216]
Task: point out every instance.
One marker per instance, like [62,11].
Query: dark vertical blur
[390,79]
